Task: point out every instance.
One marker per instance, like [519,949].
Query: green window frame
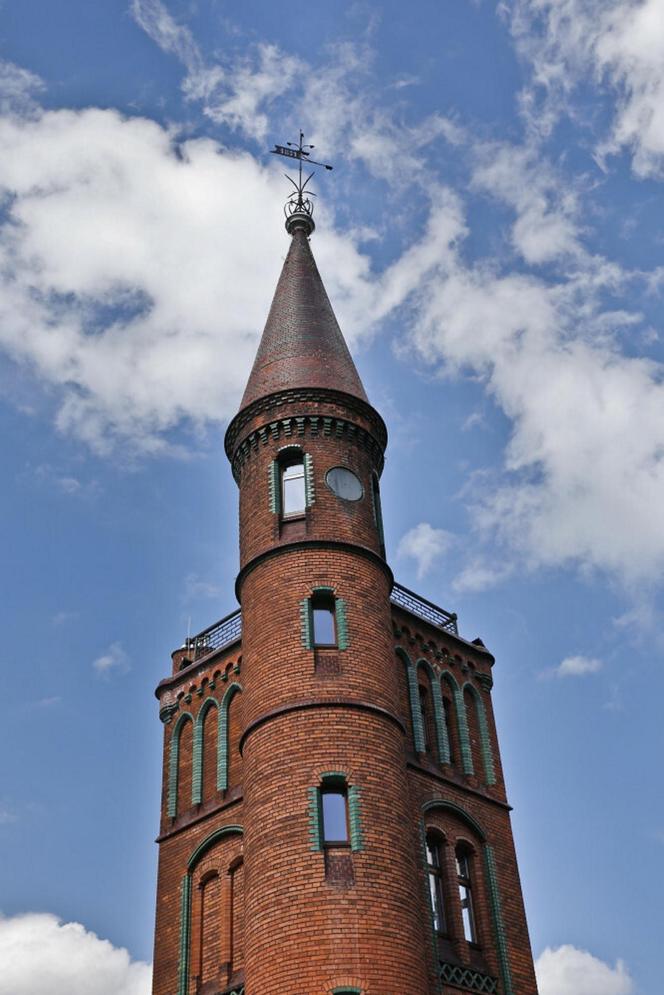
[332,781]
[307,606]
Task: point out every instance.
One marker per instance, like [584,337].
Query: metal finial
[299,208]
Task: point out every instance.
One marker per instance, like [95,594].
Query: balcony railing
[403,598]
[223,633]
[229,629]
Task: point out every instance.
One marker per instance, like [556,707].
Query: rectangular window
[324,622]
[435,883]
[466,898]
[293,494]
[335,817]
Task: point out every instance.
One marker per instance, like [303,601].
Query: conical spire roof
[302,344]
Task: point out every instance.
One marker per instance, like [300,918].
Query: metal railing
[223,633]
[229,629]
[424,609]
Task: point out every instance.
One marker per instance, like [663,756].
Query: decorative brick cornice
[301,427]
[274,404]
[485,681]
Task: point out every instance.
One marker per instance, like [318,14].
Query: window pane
[335,827]
[292,480]
[324,634]
[432,853]
[467,914]
[435,903]
[462,865]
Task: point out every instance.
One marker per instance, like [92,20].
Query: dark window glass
[447,708]
[323,615]
[292,488]
[424,711]
[434,868]
[466,895]
[335,820]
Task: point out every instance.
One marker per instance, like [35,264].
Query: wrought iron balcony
[229,629]
[424,609]
[223,633]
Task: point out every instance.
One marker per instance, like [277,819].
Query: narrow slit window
[335,815]
[466,895]
[435,872]
[293,490]
[448,715]
[424,712]
[323,615]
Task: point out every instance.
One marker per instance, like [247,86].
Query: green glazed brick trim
[497,918]
[346,991]
[173,764]
[222,736]
[306,624]
[441,725]
[415,711]
[464,735]
[485,739]
[274,487]
[309,490]
[185,925]
[355,819]
[197,765]
[342,623]
[315,819]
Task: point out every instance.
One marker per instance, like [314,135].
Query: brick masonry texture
[247,894]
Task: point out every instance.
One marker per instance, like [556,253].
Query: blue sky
[491,241]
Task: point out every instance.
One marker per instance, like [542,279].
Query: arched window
[464,880]
[334,804]
[424,712]
[448,715]
[293,490]
[435,874]
[323,616]
[291,483]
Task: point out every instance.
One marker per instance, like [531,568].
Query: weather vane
[299,207]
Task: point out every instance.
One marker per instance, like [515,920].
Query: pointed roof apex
[302,344]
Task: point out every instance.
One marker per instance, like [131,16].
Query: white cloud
[617,43]
[567,970]
[583,476]
[236,94]
[137,280]
[18,89]
[545,203]
[425,545]
[114,660]
[577,666]
[40,953]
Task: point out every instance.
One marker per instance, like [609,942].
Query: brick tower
[334,819]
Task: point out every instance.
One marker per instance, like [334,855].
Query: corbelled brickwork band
[334,818]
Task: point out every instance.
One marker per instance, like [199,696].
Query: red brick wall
[290,919]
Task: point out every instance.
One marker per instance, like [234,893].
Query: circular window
[344,483]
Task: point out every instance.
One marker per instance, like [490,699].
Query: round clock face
[344,483]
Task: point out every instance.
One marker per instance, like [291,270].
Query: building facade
[334,818]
